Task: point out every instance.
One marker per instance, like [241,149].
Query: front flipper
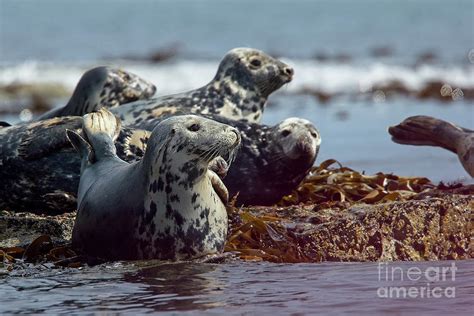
[219,187]
[81,145]
[219,166]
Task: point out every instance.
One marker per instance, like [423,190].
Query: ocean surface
[249,288]
[340,48]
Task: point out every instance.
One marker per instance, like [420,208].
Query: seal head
[272,161]
[103,87]
[243,82]
[250,76]
[164,206]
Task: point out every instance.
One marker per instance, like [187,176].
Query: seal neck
[168,165]
[235,100]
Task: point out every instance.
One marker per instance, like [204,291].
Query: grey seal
[243,82]
[163,206]
[429,131]
[40,171]
[103,87]
[273,160]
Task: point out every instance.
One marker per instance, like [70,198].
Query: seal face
[272,161]
[244,80]
[103,87]
[164,206]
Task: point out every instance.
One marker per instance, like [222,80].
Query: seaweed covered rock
[429,229]
[336,214]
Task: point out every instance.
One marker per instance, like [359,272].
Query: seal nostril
[289,71]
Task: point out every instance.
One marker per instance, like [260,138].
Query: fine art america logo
[416,282]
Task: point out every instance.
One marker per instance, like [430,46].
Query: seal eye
[256,63]
[285,133]
[194,128]
[314,134]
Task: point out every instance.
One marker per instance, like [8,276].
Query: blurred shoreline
[39,86]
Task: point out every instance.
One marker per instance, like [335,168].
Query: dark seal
[40,171]
[161,207]
[244,80]
[103,87]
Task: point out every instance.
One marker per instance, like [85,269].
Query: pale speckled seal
[429,131]
[273,160]
[40,171]
[103,87]
[244,80]
[163,206]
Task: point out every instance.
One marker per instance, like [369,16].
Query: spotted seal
[429,131]
[40,171]
[163,206]
[244,80]
[272,161]
[103,87]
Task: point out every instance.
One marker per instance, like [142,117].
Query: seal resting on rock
[272,161]
[429,131]
[40,170]
[103,87]
[164,206]
[244,80]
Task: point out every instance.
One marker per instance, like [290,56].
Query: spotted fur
[103,87]
[244,80]
[273,160]
[40,171]
[163,206]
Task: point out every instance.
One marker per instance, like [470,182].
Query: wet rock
[433,90]
[392,88]
[426,58]
[322,96]
[382,51]
[38,98]
[429,229]
[19,229]
[337,58]
[434,225]
[159,55]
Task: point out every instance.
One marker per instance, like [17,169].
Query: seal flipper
[81,145]
[219,187]
[101,130]
[219,166]
[426,131]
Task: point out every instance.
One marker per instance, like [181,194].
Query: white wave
[186,75]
